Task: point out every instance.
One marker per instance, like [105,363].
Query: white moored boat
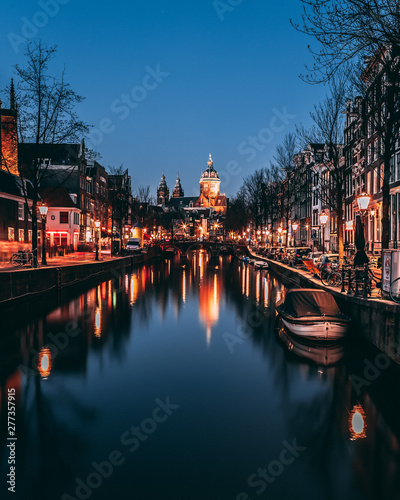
[313,314]
[260,264]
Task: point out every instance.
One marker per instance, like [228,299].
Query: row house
[366,134]
[15,220]
[64,165]
[121,206]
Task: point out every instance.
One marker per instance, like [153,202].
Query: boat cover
[309,302]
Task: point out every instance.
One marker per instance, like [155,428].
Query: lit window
[10,234]
[21,235]
[30,235]
[63,217]
[20,211]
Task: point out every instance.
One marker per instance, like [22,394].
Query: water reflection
[201,333]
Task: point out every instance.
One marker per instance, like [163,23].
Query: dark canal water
[172,383]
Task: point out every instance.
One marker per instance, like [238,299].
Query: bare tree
[144,196]
[328,129]
[46,117]
[349,31]
[284,163]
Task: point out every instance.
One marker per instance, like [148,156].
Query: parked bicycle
[394,290]
[361,281]
[331,275]
[22,258]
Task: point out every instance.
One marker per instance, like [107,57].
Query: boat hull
[318,329]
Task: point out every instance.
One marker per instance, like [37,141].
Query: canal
[173,382]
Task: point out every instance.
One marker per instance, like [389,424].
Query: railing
[359,281]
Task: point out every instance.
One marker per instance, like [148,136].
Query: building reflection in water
[368,421]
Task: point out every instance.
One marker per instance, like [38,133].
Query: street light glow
[363,201]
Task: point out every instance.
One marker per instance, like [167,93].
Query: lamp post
[43,209]
[363,203]
[294,227]
[97,224]
[323,218]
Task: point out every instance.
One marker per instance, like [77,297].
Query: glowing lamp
[323,218]
[349,225]
[43,209]
[363,201]
[280,230]
[295,226]
[97,224]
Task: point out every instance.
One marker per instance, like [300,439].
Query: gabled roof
[182,201]
[56,197]
[9,184]
[59,154]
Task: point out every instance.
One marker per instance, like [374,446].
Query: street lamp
[43,209]
[363,202]
[97,224]
[323,218]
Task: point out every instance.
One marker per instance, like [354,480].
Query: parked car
[325,260]
[133,245]
[299,254]
[314,256]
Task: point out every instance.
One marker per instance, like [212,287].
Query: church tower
[162,191]
[178,191]
[210,183]
[9,135]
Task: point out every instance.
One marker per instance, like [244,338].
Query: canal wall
[375,319]
[24,284]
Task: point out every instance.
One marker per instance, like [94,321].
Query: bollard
[365,280]
[357,275]
[343,278]
[349,281]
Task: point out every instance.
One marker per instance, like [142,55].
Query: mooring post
[365,280]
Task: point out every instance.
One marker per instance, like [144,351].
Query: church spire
[12,95]
[178,191]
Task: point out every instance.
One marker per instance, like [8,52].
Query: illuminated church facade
[210,197]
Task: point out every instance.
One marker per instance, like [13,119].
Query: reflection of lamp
[43,209]
[44,362]
[97,224]
[323,218]
[357,424]
[349,225]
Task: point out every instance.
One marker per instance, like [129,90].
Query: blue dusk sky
[168,82]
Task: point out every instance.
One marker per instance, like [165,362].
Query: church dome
[209,172]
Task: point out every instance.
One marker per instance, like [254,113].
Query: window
[21,235]
[398,167]
[369,154]
[76,219]
[20,210]
[63,217]
[30,235]
[10,234]
[376,149]
[391,170]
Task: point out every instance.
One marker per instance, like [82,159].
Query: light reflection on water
[93,367]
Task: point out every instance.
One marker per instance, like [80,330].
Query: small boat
[244,259]
[260,264]
[313,314]
[321,354]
